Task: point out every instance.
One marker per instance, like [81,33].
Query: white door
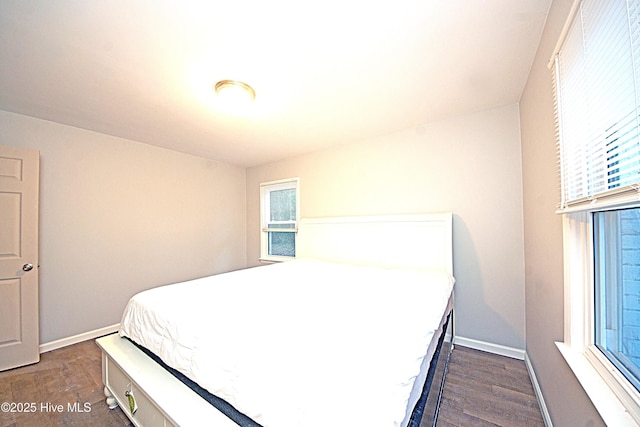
[19,334]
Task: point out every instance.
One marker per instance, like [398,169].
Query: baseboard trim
[546,417]
[501,350]
[54,345]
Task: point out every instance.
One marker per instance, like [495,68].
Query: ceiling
[324,73]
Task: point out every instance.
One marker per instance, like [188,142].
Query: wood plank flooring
[71,377]
[481,390]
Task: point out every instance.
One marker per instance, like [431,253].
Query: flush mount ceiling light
[235,91]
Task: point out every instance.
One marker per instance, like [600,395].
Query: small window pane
[282,205]
[282,244]
[617,289]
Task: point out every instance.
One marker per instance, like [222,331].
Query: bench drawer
[146,414]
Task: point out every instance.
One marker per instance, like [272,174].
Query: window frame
[615,398]
[265,189]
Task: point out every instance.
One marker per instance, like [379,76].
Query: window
[617,289]
[279,210]
[596,84]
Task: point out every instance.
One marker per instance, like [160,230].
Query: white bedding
[302,343]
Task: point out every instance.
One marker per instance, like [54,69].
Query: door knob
[27,267]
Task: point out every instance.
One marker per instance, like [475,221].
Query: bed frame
[151,396]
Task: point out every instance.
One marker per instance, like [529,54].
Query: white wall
[469,165]
[117,217]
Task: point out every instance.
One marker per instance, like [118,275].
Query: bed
[355,331]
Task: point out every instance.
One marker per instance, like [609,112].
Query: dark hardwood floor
[65,389]
[483,389]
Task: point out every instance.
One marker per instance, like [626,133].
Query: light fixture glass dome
[234,93]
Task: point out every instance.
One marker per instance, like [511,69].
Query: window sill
[604,399]
[274,260]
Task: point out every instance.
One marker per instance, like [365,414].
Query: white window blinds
[597,70]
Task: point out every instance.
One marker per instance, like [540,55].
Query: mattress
[305,342]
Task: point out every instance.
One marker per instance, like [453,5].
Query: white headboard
[407,241]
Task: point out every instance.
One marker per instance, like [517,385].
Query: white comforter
[302,343]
